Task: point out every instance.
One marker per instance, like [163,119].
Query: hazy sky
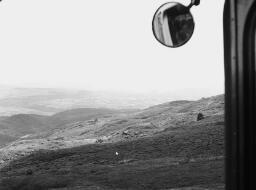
[107,45]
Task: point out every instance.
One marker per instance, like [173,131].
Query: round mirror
[173,24]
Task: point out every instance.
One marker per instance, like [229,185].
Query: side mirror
[173,24]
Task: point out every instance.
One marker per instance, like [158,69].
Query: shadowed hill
[20,125]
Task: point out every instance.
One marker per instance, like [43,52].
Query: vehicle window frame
[240,102]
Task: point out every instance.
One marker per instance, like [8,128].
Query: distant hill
[22,124]
[89,125]
[144,122]
[46,101]
[16,126]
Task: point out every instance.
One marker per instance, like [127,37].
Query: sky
[107,45]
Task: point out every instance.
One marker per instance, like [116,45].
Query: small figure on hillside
[200,116]
[117,157]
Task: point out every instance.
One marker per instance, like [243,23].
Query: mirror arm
[194,2]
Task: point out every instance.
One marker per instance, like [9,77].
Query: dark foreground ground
[189,157]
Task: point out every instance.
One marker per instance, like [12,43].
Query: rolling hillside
[20,125]
[161,147]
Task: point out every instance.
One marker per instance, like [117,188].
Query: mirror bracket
[194,2]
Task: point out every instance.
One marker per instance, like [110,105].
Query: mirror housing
[173,24]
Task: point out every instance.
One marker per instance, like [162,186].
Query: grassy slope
[158,162]
[23,124]
[82,114]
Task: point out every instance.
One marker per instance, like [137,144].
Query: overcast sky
[107,45]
